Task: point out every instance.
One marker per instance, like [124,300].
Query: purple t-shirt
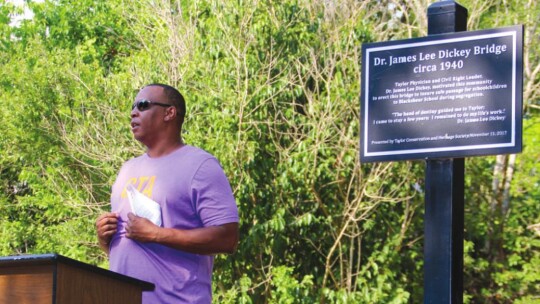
[193,192]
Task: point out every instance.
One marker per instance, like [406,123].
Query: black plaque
[442,96]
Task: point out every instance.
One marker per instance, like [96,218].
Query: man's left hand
[141,229]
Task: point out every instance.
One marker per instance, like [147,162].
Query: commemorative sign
[442,96]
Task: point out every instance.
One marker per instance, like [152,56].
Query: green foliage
[272,91]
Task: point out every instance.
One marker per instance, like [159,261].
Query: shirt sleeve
[212,194]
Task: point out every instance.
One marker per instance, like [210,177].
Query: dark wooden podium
[52,278]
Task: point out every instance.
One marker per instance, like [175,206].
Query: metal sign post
[444,199]
[442,98]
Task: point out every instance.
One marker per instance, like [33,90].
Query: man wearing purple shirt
[198,211]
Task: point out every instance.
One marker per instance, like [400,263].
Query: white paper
[143,206]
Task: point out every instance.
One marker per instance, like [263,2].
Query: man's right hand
[106,226]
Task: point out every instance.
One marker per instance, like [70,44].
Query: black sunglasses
[144,104]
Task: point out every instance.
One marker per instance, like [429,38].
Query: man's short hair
[174,97]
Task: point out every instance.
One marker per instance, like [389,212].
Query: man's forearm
[104,245]
[207,240]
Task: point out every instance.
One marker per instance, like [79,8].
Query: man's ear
[170,114]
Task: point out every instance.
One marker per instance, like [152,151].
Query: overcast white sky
[27,13]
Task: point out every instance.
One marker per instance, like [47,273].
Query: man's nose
[134,112]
